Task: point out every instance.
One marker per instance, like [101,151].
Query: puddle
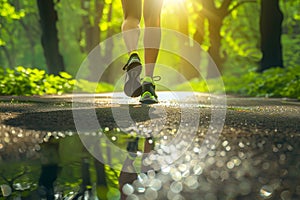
[62,168]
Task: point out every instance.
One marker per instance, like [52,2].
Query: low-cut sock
[134,53]
[148,79]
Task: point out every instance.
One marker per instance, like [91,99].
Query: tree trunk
[271,19]
[92,36]
[102,187]
[31,41]
[8,57]
[200,31]
[9,48]
[91,28]
[50,42]
[215,25]
[215,16]
[109,76]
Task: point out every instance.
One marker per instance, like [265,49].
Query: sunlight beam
[172,2]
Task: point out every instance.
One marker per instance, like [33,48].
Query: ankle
[148,79]
[134,53]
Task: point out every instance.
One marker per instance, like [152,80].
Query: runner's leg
[152,37]
[132,10]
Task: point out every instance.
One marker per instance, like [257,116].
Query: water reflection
[241,165]
[60,167]
[65,170]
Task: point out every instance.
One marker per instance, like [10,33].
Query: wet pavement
[110,147]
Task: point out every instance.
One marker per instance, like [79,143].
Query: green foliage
[69,29]
[275,82]
[241,37]
[9,11]
[291,51]
[27,81]
[77,28]
[20,34]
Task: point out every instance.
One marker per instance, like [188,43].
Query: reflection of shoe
[148,93]
[45,193]
[133,68]
[132,147]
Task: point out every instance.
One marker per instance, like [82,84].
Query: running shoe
[148,93]
[133,68]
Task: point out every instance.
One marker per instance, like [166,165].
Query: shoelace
[154,78]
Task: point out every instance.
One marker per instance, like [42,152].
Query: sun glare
[173,2]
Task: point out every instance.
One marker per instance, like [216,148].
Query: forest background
[255,44]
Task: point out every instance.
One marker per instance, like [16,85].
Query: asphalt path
[206,146]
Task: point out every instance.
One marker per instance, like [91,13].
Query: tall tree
[91,32]
[271,19]
[50,42]
[29,27]
[91,20]
[215,16]
[110,74]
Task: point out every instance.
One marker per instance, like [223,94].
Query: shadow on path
[63,120]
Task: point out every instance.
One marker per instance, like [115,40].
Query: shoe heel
[133,87]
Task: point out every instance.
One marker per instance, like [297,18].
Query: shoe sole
[133,87]
[148,100]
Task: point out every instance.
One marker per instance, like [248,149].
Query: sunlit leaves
[65,75]
[31,81]
[7,14]
[297,16]
[2,42]
[9,11]
[234,14]
[242,47]
[27,81]
[240,33]
[106,21]
[104,26]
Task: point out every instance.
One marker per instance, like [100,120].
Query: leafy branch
[239,4]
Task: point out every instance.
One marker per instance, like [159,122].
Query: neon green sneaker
[148,92]
[133,68]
